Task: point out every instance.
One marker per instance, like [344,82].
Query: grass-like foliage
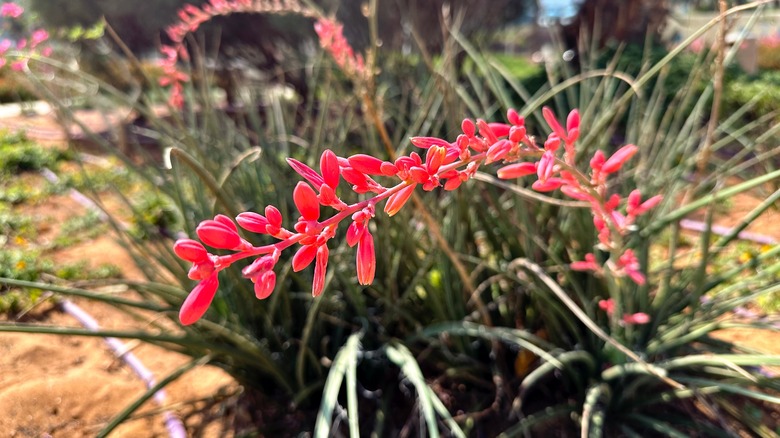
[475,322]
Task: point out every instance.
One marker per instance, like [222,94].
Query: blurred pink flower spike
[11,10]
[331,35]
[38,37]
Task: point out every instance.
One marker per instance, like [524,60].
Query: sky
[552,10]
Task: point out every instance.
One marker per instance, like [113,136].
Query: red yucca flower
[446,164]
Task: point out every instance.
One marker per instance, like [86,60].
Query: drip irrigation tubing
[172,423]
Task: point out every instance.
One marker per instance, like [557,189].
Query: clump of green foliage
[20,155]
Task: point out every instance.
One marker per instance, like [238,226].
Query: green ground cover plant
[507,306]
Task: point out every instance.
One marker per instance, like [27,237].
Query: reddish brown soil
[67,386]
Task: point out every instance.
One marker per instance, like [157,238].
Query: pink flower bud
[500,129]
[573,135]
[216,234]
[517,134]
[328,196]
[253,222]
[576,193]
[637,208]
[354,233]
[612,203]
[636,319]
[354,177]
[388,169]
[265,284]
[573,121]
[589,264]
[516,170]
[397,200]
[597,162]
[553,143]
[546,166]
[366,164]
[306,201]
[366,259]
[452,184]
[486,131]
[607,306]
[303,257]
[468,128]
[549,117]
[547,185]
[514,118]
[329,167]
[427,142]
[274,216]
[190,250]
[199,300]
[498,151]
[616,161]
[226,221]
[259,266]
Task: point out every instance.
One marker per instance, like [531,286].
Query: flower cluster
[191,18]
[554,173]
[23,48]
[444,164]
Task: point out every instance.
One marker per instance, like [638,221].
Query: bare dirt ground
[71,386]
[66,386]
